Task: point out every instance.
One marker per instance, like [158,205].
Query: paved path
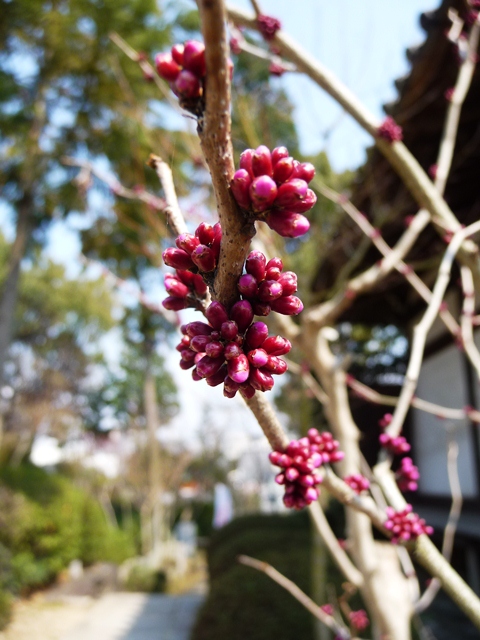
[137,616]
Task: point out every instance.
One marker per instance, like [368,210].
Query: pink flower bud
[217,378]
[270,290]
[240,187]
[287,305]
[263,192]
[291,474]
[205,233]
[214,349]
[229,330]
[199,285]
[278,153]
[216,314]
[207,366]
[187,355]
[198,328]
[290,193]
[232,350]
[187,277]
[177,53]
[287,224]
[204,258]
[260,308]
[242,314]
[186,364]
[256,335]
[247,391]
[304,171]
[246,161]
[176,288]
[283,170]
[275,263]
[247,285]
[215,246]
[276,346]
[306,204]
[275,457]
[275,365]
[187,242]
[311,494]
[187,84]
[262,161]
[166,67]
[199,343]
[177,259]
[260,380]
[257,357]
[255,265]
[195,375]
[238,368]
[306,480]
[174,304]
[194,57]
[288,280]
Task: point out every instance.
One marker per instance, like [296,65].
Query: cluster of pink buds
[184,68]
[196,252]
[268,288]
[299,463]
[385,420]
[390,131]
[405,525]
[357,482]
[268,26]
[273,187]
[233,350]
[407,475]
[184,288]
[394,444]
[277,69]
[359,619]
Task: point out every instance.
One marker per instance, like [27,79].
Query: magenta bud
[207,366]
[228,393]
[260,308]
[215,246]
[231,385]
[256,335]
[167,67]
[216,314]
[278,153]
[290,193]
[174,304]
[204,258]
[291,474]
[275,263]
[287,305]
[311,494]
[275,365]
[260,380]
[257,357]
[195,375]
[187,355]
[275,457]
[276,346]
[217,378]
[199,343]
[306,204]
[289,282]
[187,242]
[238,368]
[262,161]
[263,192]
[194,57]
[285,461]
[336,456]
[304,171]
[280,478]
[199,285]
[186,364]
[187,84]
[247,391]
[247,285]
[187,277]
[198,328]
[270,290]
[242,314]
[287,224]
[306,480]
[176,288]
[273,273]
[283,170]
[232,350]
[177,258]
[246,161]
[214,349]
[177,53]
[205,233]
[240,186]
[256,264]
[229,330]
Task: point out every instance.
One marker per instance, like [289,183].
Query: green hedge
[244,603]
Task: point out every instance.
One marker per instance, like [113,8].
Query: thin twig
[326,619]
[172,211]
[466,323]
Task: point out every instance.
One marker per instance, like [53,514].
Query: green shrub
[143,578]
[5,608]
[244,603]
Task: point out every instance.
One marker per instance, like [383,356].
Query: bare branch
[172,211]
[298,594]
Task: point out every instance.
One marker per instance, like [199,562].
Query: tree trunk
[9,289]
